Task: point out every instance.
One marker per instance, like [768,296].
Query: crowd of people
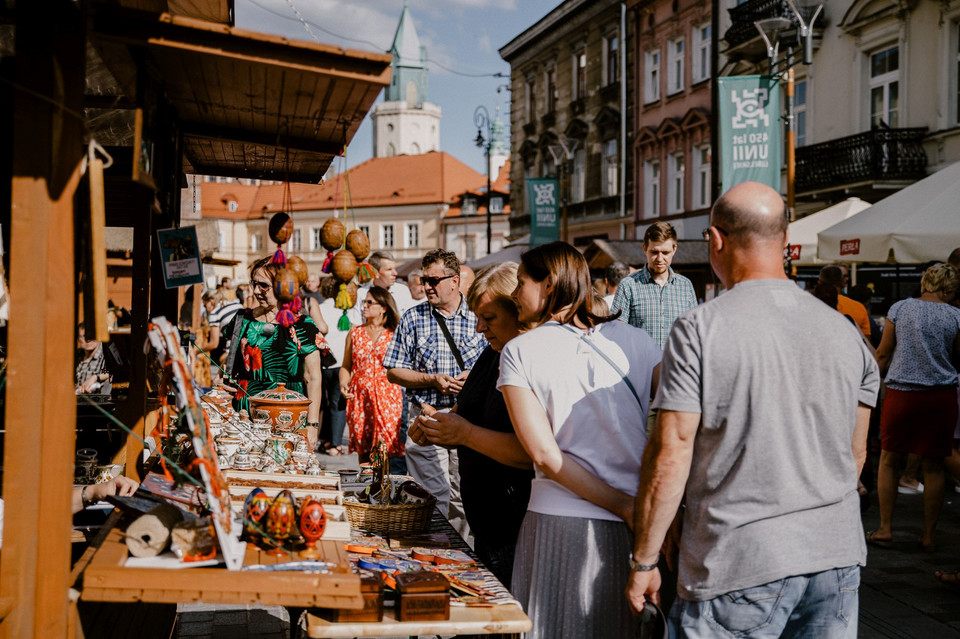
[588,437]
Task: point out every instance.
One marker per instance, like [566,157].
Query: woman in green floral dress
[268,354]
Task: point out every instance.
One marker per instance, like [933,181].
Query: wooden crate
[106,578]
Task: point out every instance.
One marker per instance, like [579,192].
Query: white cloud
[484,44]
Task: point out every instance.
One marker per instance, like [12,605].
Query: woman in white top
[577,388]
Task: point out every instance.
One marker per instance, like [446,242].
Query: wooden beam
[273,140]
[41,405]
[226,171]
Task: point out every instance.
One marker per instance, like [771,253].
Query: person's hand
[313,433]
[640,587]
[345,391]
[416,434]
[445,429]
[119,485]
[446,384]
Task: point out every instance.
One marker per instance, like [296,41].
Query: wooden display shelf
[106,578]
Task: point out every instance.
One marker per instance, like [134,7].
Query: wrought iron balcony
[875,156]
[744,15]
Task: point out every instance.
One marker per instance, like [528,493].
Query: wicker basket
[391,520]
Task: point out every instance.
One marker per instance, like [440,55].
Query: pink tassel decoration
[327,262]
[279,257]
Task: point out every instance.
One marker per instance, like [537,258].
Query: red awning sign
[792,251]
[850,247]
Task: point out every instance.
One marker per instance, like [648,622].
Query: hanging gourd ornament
[359,244]
[296,264]
[286,287]
[280,229]
[331,238]
[344,265]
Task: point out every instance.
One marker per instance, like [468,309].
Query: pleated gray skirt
[569,574]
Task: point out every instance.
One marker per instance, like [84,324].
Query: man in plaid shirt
[420,359]
[654,297]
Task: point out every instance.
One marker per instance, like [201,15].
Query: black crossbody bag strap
[446,333]
[606,357]
[234,343]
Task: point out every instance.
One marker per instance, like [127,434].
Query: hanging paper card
[180,255]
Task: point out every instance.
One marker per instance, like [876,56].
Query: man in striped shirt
[654,297]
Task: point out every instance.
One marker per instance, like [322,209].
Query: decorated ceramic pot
[255,508]
[284,409]
[277,449]
[410,492]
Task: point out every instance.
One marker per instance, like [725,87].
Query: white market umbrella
[915,225]
[803,232]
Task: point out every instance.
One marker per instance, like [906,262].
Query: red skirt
[919,422]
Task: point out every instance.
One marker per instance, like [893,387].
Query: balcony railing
[877,155]
[744,15]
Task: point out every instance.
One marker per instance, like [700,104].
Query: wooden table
[506,619]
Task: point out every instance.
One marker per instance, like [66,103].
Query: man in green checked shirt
[654,297]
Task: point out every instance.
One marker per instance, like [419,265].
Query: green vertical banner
[750,130]
[543,196]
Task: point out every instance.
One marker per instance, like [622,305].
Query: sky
[462,38]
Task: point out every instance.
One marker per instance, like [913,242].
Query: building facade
[568,99]
[879,108]
[672,154]
[405,123]
[464,226]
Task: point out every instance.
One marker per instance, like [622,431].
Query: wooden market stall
[165,91]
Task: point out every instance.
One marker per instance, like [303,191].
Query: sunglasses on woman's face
[263,286]
[370,303]
[433,281]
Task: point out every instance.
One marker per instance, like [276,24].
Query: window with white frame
[611,58]
[579,178]
[610,170]
[296,241]
[316,233]
[701,176]
[701,52]
[675,66]
[386,235]
[469,206]
[675,171]
[651,76]
[412,235]
[531,100]
[256,242]
[580,74]
[885,87]
[365,229]
[800,113]
[551,82]
[651,188]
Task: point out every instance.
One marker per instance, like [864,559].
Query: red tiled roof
[435,177]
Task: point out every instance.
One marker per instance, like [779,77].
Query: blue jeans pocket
[849,582]
[742,612]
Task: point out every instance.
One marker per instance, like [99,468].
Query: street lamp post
[770,30]
[481,119]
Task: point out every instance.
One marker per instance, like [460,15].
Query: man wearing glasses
[433,350]
[654,297]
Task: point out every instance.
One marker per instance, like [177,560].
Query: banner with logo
[543,203]
[750,130]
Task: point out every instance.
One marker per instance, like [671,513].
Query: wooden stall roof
[251,105]
[601,253]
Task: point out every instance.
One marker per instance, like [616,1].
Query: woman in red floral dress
[373,403]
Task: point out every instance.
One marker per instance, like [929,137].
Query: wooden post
[41,405]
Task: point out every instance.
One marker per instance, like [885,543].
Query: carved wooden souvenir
[358,243]
[255,508]
[344,265]
[332,234]
[281,521]
[313,521]
[280,228]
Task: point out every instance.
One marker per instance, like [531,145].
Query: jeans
[823,605]
[334,420]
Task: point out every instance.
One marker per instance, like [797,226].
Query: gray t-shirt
[776,376]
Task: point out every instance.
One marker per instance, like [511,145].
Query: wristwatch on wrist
[313,424]
[635,567]
[84,502]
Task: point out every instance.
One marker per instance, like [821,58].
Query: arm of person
[663,478]
[409,378]
[450,429]
[622,299]
[120,485]
[313,310]
[346,369]
[860,429]
[536,436]
[888,344]
[312,377]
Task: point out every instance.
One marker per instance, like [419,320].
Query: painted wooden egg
[344,265]
[332,234]
[313,520]
[296,264]
[255,507]
[286,286]
[280,228]
[281,520]
[358,243]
